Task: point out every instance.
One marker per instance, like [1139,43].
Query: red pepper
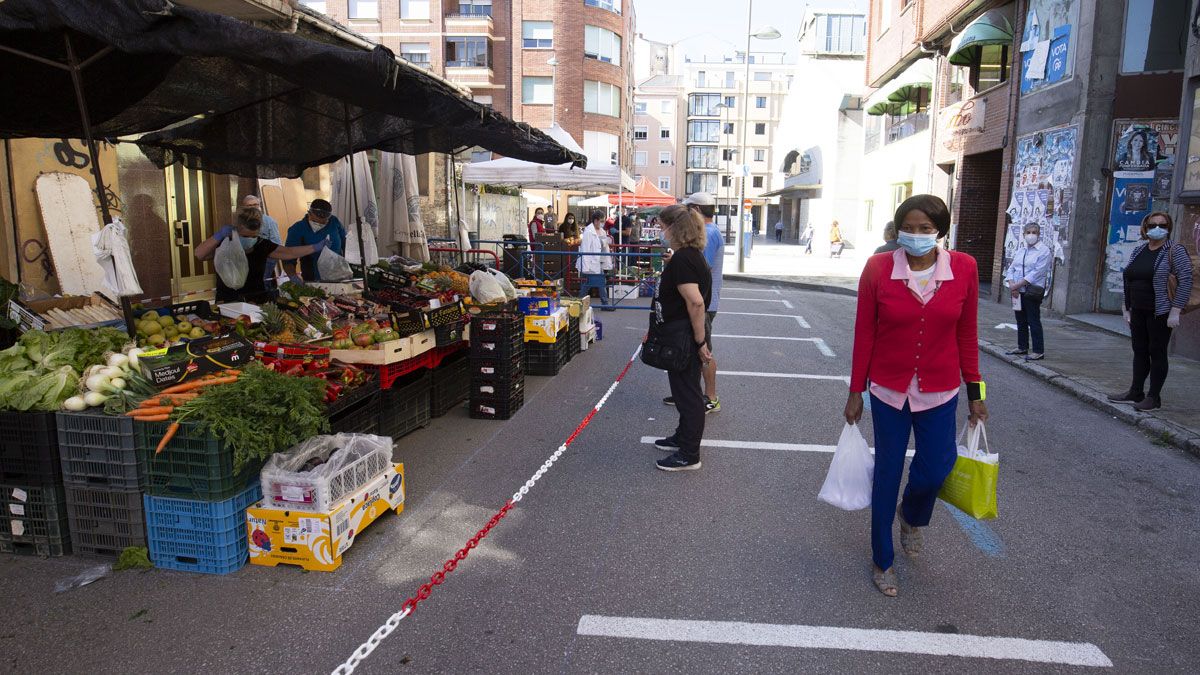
[297,369]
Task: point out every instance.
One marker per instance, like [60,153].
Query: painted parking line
[740,289]
[786,303]
[792,376]
[837,637]
[980,534]
[818,342]
[803,323]
[761,445]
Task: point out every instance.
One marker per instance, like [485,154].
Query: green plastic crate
[192,466]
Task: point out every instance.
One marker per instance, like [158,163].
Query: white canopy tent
[508,172]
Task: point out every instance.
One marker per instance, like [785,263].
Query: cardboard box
[576,306]
[317,541]
[190,360]
[545,329]
[33,315]
[538,305]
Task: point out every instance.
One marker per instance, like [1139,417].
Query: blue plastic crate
[200,515]
[203,559]
[199,536]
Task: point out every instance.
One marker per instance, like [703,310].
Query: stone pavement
[1081,358]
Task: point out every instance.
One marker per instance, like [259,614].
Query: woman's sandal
[885,581]
[910,537]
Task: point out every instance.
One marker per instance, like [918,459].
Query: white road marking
[776,291]
[820,344]
[762,445]
[793,376]
[853,639]
[824,348]
[786,303]
[1002,326]
[803,323]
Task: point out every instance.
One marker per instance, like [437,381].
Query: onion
[118,360]
[117,384]
[74,404]
[98,382]
[94,398]
[112,371]
[133,357]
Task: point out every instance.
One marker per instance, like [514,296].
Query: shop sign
[960,120]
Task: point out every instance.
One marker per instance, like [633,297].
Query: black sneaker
[669,443]
[670,400]
[677,462]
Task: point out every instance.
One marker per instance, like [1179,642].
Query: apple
[364,340]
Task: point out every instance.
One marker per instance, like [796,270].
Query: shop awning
[899,95]
[994,27]
[269,103]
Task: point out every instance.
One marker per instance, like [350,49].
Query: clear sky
[717,27]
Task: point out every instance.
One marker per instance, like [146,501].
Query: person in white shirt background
[1026,280]
[593,239]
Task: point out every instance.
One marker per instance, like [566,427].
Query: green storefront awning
[994,27]
[899,96]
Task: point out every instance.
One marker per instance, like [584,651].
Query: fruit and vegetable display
[43,370]
[155,330]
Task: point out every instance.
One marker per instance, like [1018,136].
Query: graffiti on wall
[1043,175]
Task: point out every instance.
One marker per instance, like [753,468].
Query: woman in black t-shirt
[258,252]
[683,294]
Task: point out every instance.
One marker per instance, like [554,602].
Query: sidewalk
[1083,358]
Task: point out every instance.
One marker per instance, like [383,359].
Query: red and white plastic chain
[410,605]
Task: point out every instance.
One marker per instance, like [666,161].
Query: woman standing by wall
[1153,304]
[915,340]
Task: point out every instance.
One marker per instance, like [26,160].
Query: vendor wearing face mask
[318,225]
[1026,281]
[260,252]
[1152,308]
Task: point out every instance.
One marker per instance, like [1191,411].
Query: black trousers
[688,392]
[1150,337]
[1029,323]
[778,235]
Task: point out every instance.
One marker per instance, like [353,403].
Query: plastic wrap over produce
[316,474]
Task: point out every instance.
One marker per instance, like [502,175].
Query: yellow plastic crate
[545,329]
[316,541]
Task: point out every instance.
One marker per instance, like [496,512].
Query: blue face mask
[1157,233]
[248,242]
[917,244]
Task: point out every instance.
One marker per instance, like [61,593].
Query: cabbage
[13,360]
[13,386]
[47,392]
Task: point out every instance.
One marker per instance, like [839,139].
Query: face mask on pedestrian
[1157,233]
[917,244]
[1031,239]
[248,242]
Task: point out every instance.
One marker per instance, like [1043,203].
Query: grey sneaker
[712,405]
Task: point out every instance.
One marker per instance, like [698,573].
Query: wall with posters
[1043,192]
[1047,45]
[1143,161]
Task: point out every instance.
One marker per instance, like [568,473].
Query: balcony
[418,60]
[471,22]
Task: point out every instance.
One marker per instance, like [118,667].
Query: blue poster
[1131,201]
[1057,63]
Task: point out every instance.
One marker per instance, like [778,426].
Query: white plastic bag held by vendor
[485,289]
[332,267]
[230,261]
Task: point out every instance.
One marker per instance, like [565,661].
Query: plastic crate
[546,360]
[360,417]
[497,370]
[36,524]
[439,354]
[288,485]
[497,326]
[497,389]
[498,348]
[389,373]
[406,407]
[573,344]
[98,450]
[199,536]
[447,314]
[450,333]
[496,408]
[195,514]
[451,385]
[105,522]
[194,465]
[29,448]
[351,397]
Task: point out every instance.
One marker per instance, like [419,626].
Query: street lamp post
[767,33]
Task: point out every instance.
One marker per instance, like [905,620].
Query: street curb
[801,285]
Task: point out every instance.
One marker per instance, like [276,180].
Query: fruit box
[546,328]
[316,541]
[383,353]
[190,360]
[538,305]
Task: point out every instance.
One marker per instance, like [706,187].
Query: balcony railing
[418,60]
[469,63]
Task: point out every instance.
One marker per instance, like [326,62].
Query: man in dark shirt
[889,238]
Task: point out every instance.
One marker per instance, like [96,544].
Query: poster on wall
[1046,48]
[1130,203]
[1042,177]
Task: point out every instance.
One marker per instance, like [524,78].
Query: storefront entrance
[978,208]
[189,213]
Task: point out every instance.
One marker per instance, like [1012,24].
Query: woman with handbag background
[915,340]
[1158,284]
[680,304]
[1026,281]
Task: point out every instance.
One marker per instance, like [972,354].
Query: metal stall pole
[362,252]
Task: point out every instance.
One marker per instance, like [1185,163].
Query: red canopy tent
[644,194]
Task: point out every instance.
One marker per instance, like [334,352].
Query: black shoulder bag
[669,344]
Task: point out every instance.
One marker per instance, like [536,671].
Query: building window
[727,154]
[639,158]
[730,101]
[474,7]
[757,181]
[537,34]
[364,9]
[601,98]
[610,5]
[990,67]
[701,182]
[703,105]
[664,133]
[761,76]
[468,52]
[602,45]
[840,33]
[1155,36]
[639,107]
[760,128]
[702,157]
[414,9]
[760,155]
[726,181]
[729,128]
[664,157]
[900,192]
[416,53]
[316,5]
[730,79]
[478,156]
[886,9]
[760,102]
[701,80]
[703,131]
[666,107]
[905,125]
[537,90]
[958,77]
[600,148]
[641,133]
[664,183]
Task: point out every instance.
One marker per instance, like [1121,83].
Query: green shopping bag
[971,485]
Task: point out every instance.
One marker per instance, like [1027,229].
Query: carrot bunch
[160,407]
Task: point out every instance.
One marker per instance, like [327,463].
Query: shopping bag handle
[973,443]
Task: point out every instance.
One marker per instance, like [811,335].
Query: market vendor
[260,252]
[569,229]
[319,224]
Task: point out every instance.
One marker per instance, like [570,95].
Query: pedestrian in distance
[889,239]
[1026,281]
[714,254]
[592,268]
[779,231]
[1152,307]
[683,293]
[809,233]
[835,240]
[915,340]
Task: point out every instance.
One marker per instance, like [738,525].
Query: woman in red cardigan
[914,338]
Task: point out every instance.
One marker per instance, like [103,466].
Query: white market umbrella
[401,231]
[602,200]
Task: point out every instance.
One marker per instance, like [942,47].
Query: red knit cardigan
[896,337]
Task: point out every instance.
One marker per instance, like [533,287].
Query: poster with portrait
[1136,152]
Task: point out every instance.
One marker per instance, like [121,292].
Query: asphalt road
[1095,546]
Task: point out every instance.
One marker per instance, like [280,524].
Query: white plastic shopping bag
[370,247]
[332,267]
[851,473]
[230,261]
[486,289]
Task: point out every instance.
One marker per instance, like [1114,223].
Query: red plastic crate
[439,354]
[389,373]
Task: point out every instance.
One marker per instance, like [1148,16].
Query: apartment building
[657,106]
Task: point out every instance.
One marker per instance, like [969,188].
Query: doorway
[189,212]
[979,208]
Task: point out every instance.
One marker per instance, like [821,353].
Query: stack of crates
[32,499]
[406,405]
[195,501]
[497,366]
[573,345]
[102,481]
[451,384]
[547,359]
